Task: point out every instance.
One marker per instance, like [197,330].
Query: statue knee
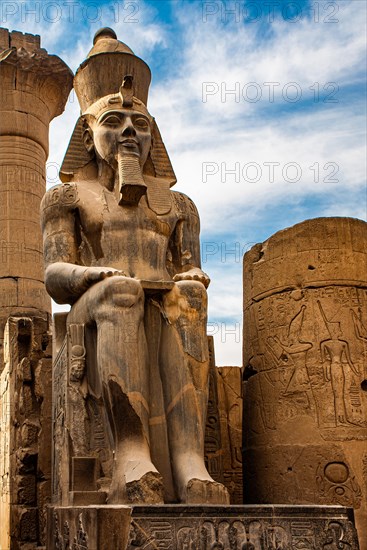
[119,291]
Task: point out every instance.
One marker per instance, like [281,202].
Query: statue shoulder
[184,204]
[58,203]
[63,197]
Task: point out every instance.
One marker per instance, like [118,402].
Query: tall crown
[107,63]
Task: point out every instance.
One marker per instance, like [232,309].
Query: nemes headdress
[113,75]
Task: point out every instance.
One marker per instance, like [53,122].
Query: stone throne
[83,450]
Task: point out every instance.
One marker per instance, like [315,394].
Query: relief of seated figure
[118,243]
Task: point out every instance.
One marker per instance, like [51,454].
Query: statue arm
[66,280]
[185,244]
[63,276]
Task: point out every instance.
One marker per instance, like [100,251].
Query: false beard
[131,181]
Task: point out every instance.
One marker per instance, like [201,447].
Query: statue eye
[141,123]
[111,121]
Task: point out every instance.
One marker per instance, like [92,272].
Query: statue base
[179,527]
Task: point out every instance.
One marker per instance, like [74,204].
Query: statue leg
[116,306]
[184,370]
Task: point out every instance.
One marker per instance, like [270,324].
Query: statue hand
[194,274]
[95,274]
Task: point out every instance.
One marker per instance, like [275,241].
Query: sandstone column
[34,87]
[305,350]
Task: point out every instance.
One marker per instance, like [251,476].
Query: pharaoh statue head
[115,127]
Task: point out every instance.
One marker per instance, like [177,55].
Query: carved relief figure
[335,355]
[296,350]
[360,329]
[361,333]
[117,244]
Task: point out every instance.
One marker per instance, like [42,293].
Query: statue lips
[128,142]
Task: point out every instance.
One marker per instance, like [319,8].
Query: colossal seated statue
[123,250]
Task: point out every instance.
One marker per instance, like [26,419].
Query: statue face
[124,131]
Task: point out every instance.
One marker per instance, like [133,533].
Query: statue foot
[204,491]
[136,482]
[146,490]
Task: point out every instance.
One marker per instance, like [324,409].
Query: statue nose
[128,129]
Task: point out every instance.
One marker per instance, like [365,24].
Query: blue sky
[274,91]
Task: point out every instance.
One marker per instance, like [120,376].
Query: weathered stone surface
[213,437]
[223,431]
[305,319]
[230,414]
[123,250]
[24,526]
[89,528]
[25,489]
[204,528]
[25,447]
[33,90]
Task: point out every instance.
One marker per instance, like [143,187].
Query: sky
[261,105]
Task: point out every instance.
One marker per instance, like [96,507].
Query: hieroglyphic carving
[303,534]
[60,436]
[229,382]
[335,537]
[253,528]
[213,443]
[202,528]
[335,352]
[58,539]
[81,539]
[61,540]
[320,379]
[336,484]
[88,527]
[223,433]
[78,422]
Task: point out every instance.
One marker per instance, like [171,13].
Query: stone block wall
[25,433]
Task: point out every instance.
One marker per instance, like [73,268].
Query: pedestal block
[201,528]
[305,349]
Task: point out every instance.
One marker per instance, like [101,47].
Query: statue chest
[109,230]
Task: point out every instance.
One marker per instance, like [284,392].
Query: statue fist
[194,274]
